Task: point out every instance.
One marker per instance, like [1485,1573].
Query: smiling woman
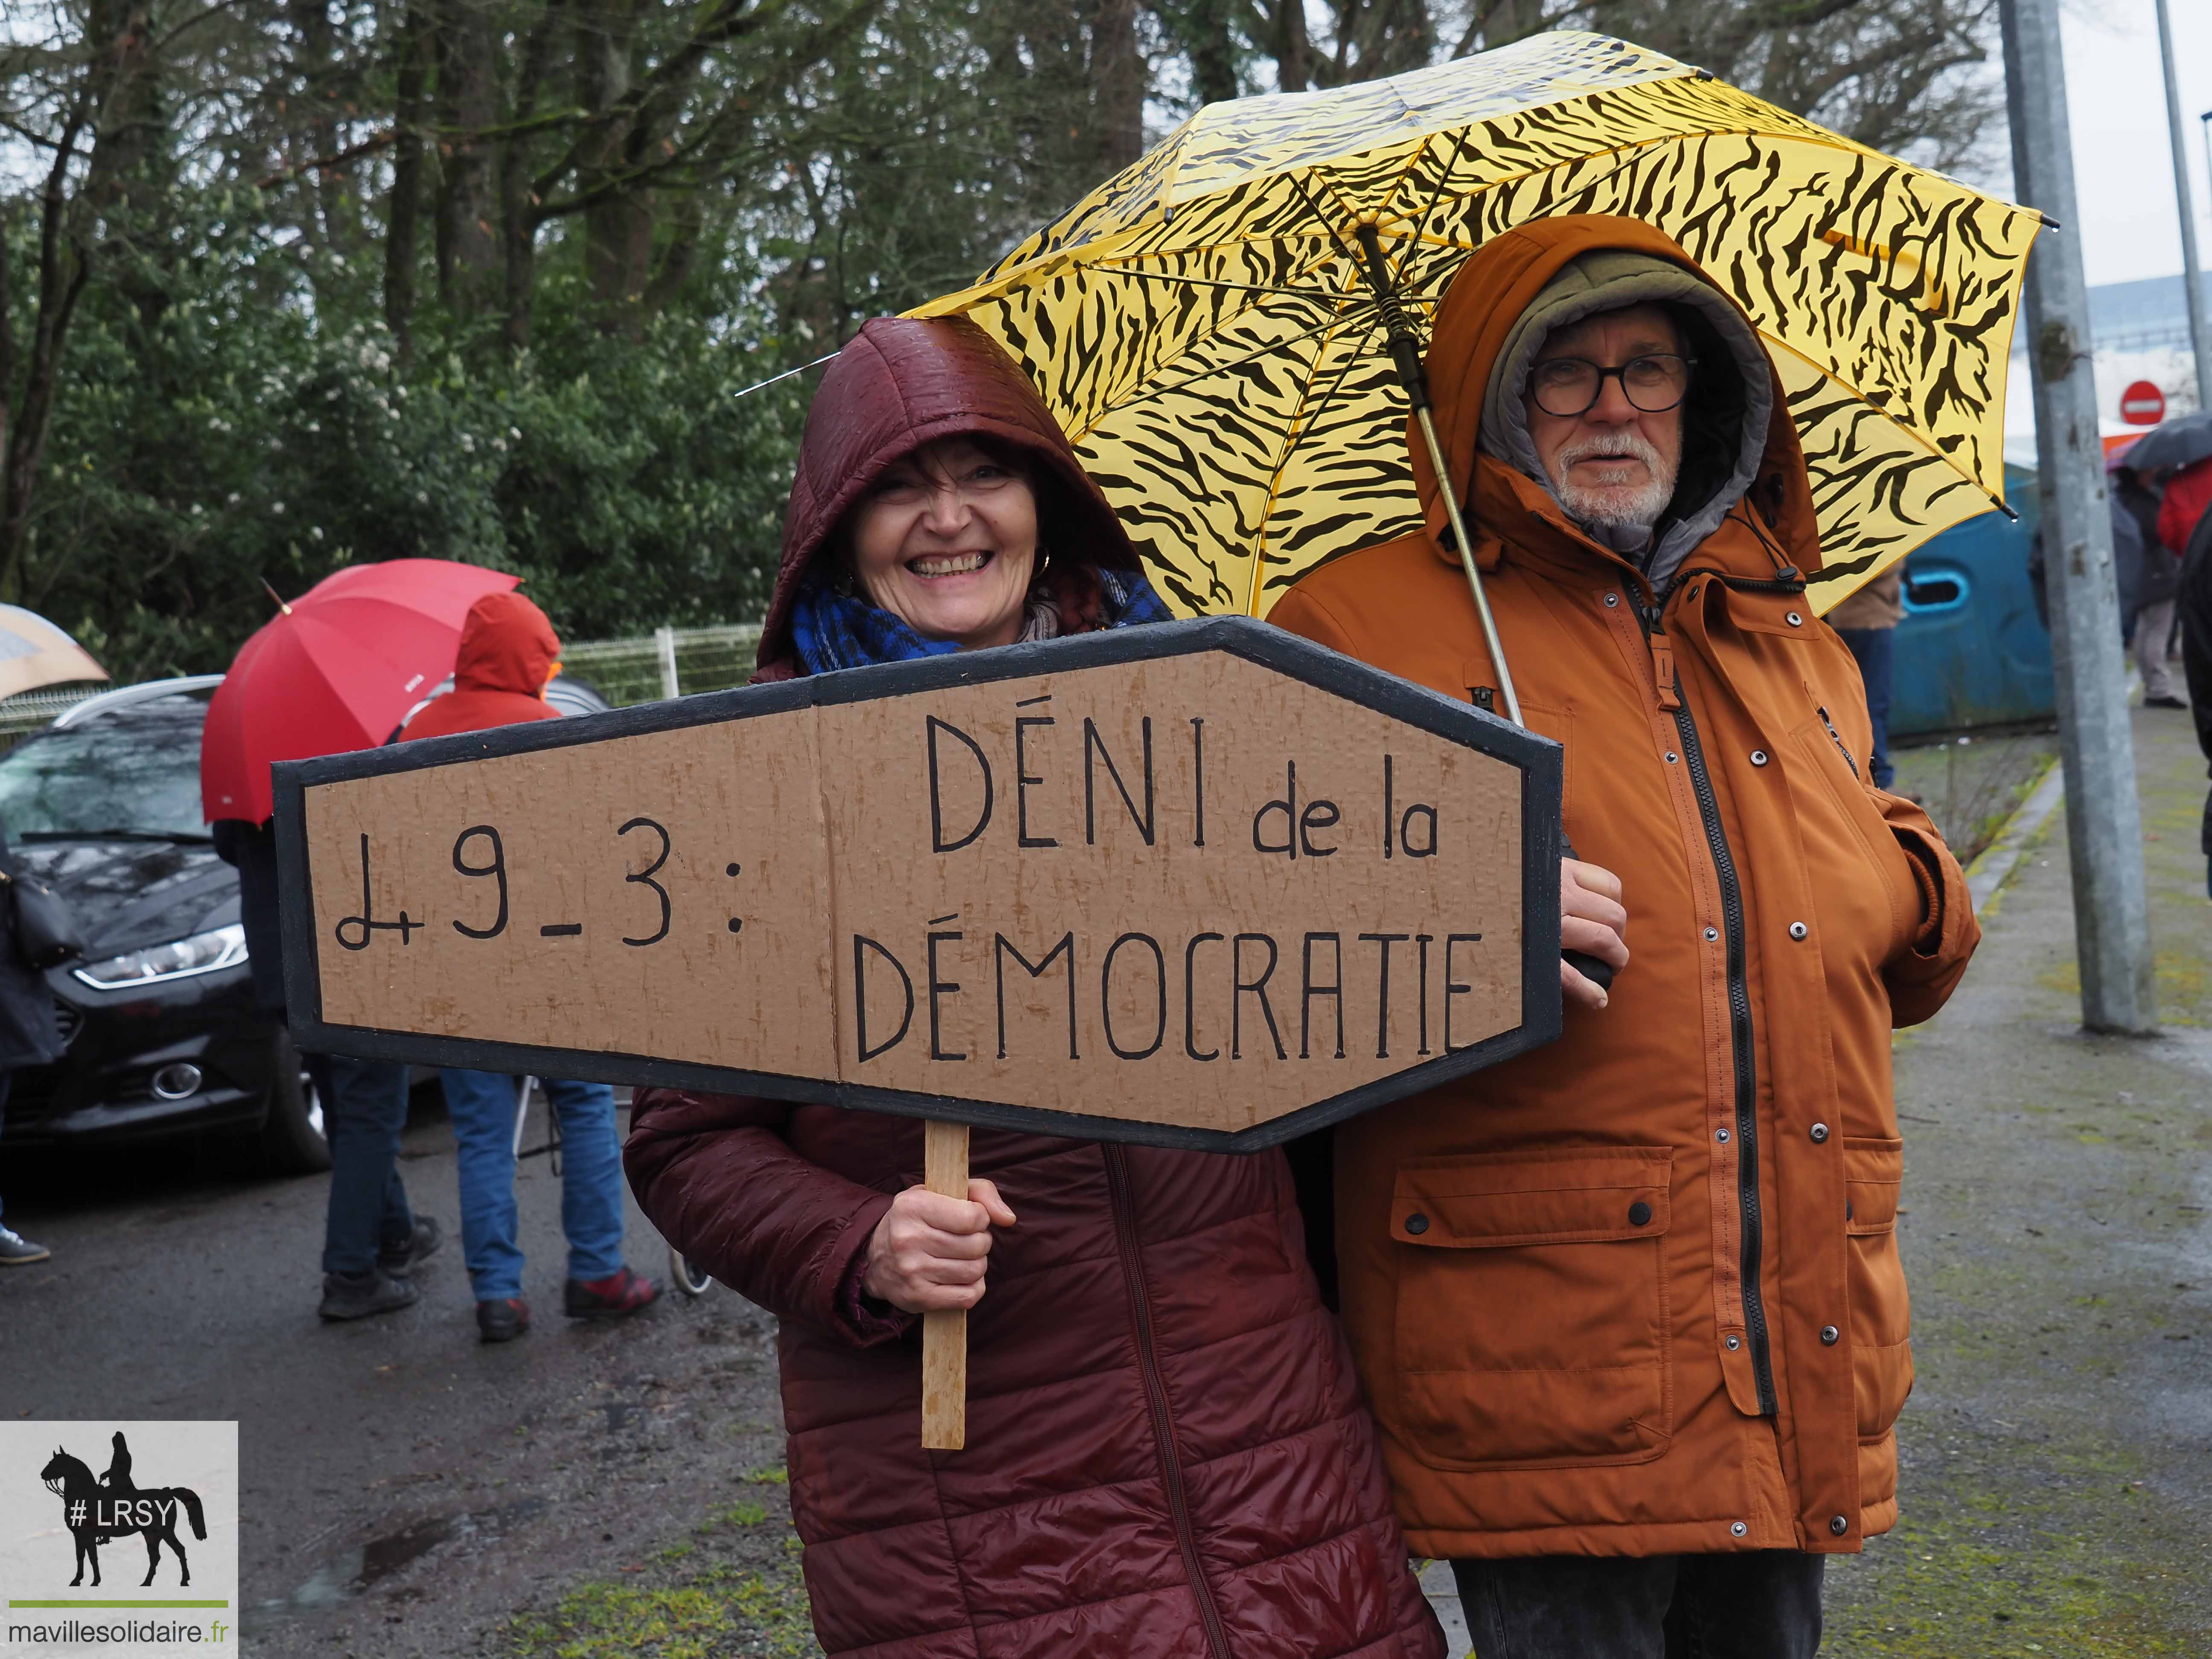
[946,541]
[938,508]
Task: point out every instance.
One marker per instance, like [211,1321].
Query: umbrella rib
[1420,233]
[1151,391]
[1630,151]
[1322,294]
[1106,269]
[1911,432]
[1436,195]
[1291,433]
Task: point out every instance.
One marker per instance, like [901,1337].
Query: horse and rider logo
[97,1511]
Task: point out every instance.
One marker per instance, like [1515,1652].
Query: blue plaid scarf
[833,630]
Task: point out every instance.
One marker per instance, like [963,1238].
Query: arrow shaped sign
[1203,884]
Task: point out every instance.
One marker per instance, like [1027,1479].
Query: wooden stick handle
[945,1332]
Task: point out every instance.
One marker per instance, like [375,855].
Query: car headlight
[202,953]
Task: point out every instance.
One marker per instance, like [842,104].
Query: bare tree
[84,100]
[1896,74]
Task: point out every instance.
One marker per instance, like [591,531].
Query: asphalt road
[407,1490]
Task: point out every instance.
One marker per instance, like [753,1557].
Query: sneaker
[17,1251]
[397,1261]
[2169,701]
[356,1296]
[503,1321]
[615,1297]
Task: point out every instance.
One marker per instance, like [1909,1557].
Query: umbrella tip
[275,595]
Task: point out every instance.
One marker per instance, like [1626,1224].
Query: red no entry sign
[2143,405]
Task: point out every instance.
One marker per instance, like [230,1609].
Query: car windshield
[133,772]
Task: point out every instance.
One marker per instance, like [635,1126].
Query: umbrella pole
[1490,639]
[1405,353]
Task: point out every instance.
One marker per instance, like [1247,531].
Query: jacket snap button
[1795,620]
[1737,1530]
[1798,930]
[1734,1343]
[1759,757]
[1829,1334]
[1611,600]
[1672,757]
[1837,1525]
[1638,1213]
[1818,1132]
[1712,934]
[1720,1135]
[1417,1223]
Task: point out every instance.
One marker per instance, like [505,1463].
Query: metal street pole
[2103,827]
[2199,341]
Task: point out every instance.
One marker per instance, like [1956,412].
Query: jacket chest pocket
[1547,719]
[1531,1321]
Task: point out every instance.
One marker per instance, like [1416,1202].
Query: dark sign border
[1537,758]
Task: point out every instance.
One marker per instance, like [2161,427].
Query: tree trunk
[115,114]
[403,216]
[1118,75]
[468,55]
[518,200]
[680,258]
[618,225]
[1292,51]
[125,179]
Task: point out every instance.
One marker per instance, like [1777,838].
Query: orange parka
[1637,1292]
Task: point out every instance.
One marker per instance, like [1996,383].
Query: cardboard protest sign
[1203,884]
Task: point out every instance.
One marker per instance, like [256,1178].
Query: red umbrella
[335,670]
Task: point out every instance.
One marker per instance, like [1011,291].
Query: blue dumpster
[1972,650]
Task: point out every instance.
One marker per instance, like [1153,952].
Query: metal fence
[672,662]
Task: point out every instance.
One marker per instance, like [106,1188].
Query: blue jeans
[364,1110]
[1873,647]
[1758,1604]
[481,1105]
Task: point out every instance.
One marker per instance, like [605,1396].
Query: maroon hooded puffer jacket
[1167,1454]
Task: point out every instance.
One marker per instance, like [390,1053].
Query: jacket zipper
[1156,1392]
[1739,992]
[1838,735]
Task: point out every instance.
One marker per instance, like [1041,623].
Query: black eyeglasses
[1568,386]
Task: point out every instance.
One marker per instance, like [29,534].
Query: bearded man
[1629,1307]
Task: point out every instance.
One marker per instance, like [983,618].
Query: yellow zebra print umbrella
[1200,326]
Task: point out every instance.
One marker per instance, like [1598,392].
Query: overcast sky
[2122,172]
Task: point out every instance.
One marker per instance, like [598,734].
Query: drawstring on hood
[1724,418]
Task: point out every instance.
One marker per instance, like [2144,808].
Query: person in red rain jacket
[1167,1451]
[509,654]
[2188,495]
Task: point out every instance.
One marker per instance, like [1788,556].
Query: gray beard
[1636,511]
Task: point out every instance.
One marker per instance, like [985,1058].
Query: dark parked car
[162,1032]
[164,1037]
